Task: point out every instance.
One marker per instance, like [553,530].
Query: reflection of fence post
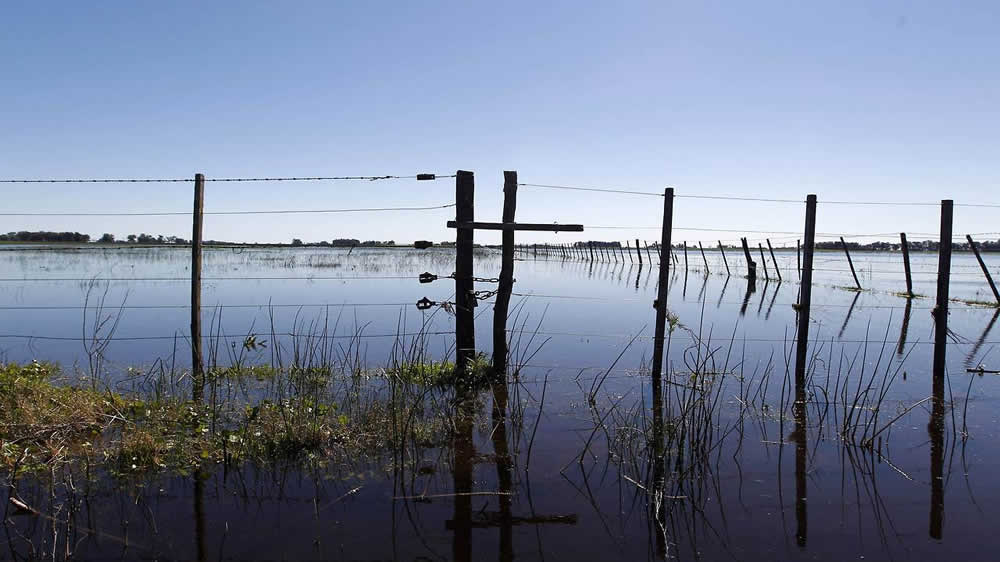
[465,328]
[500,307]
[751,266]
[197,363]
[774,259]
[724,260]
[661,290]
[850,263]
[982,264]
[805,292]
[906,263]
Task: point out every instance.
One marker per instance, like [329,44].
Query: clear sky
[849,100]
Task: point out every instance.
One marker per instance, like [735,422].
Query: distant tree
[296,241]
[131,238]
[107,238]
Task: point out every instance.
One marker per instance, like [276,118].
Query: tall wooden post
[705,259]
[751,266]
[935,428]
[724,260]
[590,245]
[197,361]
[506,285]
[638,252]
[798,257]
[850,263]
[943,281]
[763,261]
[982,264]
[774,259]
[648,255]
[465,327]
[685,257]
[805,292]
[906,263]
[661,289]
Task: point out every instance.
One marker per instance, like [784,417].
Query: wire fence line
[758,199]
[217,213]
[231,179]
[546,248]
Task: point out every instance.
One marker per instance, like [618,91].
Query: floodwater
[743,475]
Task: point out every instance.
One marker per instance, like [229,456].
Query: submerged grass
[264,414]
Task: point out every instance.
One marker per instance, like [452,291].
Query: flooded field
[566,459]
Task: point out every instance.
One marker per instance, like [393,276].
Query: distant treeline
[930,245]
[344,243]
[44,236]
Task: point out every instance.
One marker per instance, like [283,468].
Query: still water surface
[753,488]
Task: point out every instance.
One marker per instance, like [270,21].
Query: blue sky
[848,100]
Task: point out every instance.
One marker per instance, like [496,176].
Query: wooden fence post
[506,285]
[798,257]
[805,292]
[763,261]
[661,290]
[751,266]
[943,281]
[638,252]
[724,260]
[774,259]
[197,360]
[982,264]
[935,428]
[850,263]
[705,259]
[906,263]
[648,255]
[465,301]
[685,257]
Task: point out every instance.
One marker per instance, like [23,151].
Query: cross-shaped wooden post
[465,298]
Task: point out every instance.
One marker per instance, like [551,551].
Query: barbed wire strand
[234,179]
[265,212]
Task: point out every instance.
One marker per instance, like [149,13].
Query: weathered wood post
[629,248]
[763,261]
[751,266]
[903,245]
[705,259]
[724,260]
[798,257]
[850,263]
[648,255]
[661,290]
[197,361]
[936,426]
[638,252]
[774,259]
[465,301]
[805,292]
[506,285]
[982,264]
[590,246]
[685,257]
[943,281]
